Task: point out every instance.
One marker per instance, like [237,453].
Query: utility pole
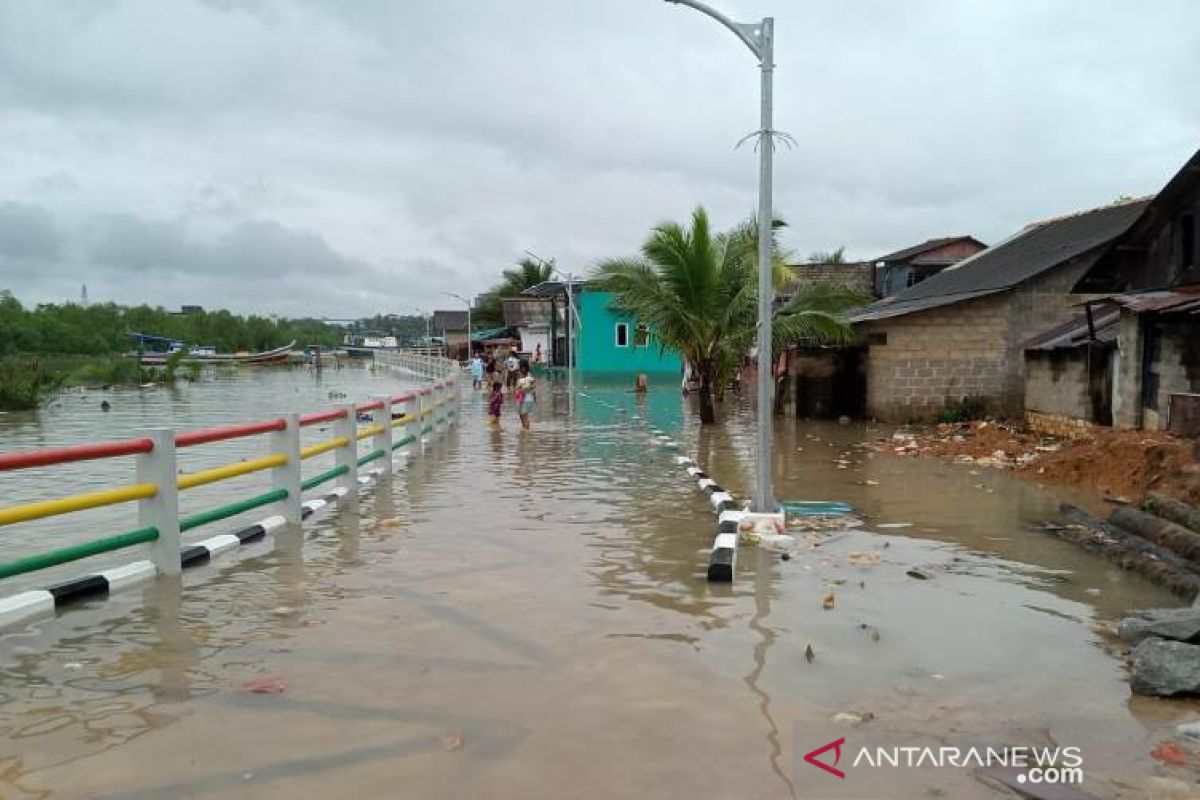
[759,37]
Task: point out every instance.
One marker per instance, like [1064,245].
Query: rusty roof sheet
[1075,332]
[1178,300]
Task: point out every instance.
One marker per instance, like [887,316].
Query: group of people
[511,373]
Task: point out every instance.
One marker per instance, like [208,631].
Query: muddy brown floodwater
[526,615]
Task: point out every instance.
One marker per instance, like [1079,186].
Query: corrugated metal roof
[929,244]
[1179,300]
[1075,332]
[1024,255]
[882,310]
[552,288]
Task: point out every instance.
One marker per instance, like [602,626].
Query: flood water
[526,615]
[220,397]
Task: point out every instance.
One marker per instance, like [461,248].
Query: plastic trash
[269,685]
[776,542]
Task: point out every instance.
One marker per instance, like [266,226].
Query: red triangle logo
[836,747]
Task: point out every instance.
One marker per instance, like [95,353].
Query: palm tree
[827,256]
[515,280]
[697,292]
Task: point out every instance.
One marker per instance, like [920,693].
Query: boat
[207,355]
[365,345]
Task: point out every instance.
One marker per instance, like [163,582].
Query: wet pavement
[526,615]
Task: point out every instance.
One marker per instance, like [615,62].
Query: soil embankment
[1115,464]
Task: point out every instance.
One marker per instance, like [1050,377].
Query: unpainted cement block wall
[971,349]
[1056,383]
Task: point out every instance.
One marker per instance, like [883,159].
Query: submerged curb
[722,560]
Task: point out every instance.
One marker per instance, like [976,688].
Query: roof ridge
[1120,201]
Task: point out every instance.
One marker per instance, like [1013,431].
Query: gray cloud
[344,158]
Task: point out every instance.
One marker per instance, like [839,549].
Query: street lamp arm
[750,34]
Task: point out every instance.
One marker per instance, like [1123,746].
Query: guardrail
[397,421]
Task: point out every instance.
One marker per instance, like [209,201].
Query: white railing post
[162,510]
[347,454]
[383,439]
[287,442]
[418,413]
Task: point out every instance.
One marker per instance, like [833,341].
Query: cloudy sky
[343,158]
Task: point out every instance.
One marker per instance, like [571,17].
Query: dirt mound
[1112,463]
[1126,463]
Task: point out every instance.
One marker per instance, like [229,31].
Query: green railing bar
[406,440]
[327,475]
[231,510]
[427,429]
[78,551]
[371,456]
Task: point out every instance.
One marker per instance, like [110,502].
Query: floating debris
[828,601]
[270,685]
[809,654]
[863,559]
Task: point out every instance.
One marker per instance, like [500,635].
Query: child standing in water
[495,403]
[524,395]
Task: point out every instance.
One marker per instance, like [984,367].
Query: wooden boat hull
[277,356]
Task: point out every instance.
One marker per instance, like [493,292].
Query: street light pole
[571,322]
[428,321]
[467,303]
[760,38]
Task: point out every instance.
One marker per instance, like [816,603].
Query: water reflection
[543,595]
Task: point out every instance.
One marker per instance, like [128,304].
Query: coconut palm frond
[826,296]
[819,327]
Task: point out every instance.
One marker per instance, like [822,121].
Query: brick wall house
[959,335]
[1149,279]
[855,275]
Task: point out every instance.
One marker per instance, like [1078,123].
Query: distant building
[191,309]
[855,275]
[605,342]
[897,271]
[451,327]
[530,318]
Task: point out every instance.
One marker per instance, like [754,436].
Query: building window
[622,334]
[641,335]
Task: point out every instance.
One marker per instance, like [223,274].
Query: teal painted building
[611,343]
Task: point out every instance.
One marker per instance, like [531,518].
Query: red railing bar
[372,406]
[79,452]
[322,416]
[404,398]
[206,435]
[426,391]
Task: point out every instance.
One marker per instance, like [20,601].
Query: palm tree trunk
[707,415]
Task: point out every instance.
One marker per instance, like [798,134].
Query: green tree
[516,279]
[697,291]
[827,256]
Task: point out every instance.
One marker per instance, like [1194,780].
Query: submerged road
[525,615]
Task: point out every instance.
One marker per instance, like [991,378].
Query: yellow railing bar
[370,430]
[323,447]
[76,502]
[425,412]
[403,419]
[228,471]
